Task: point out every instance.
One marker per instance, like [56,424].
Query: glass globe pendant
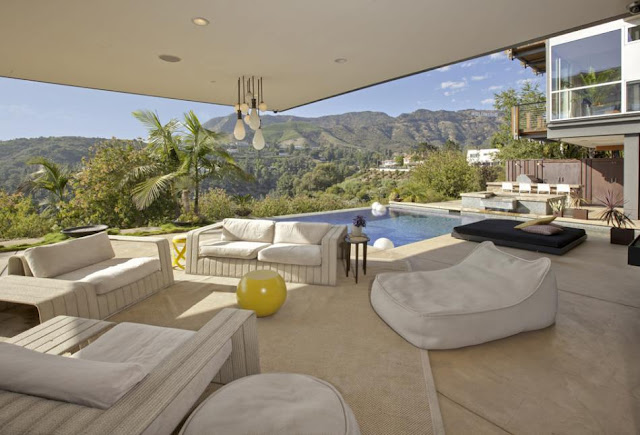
[258,139]
[239,132]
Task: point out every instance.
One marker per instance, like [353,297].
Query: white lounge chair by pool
[563,188]
[507,187]
[544,188]
[524,188]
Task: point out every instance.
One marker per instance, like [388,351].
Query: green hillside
[68,150]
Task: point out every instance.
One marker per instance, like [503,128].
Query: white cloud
[498,55]
[487,101]
[453,85]
[444,68]
[495,87]
[478,78]
[524,81]
[469,64]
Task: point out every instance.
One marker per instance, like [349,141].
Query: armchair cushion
[115,273]
[60,258]
[239,249]
[290,253]
[249,230]
[90,383]
[310,233]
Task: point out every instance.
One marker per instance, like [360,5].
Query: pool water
[400,226]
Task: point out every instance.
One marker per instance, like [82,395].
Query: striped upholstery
[54,297]
[325,274]
[142,409]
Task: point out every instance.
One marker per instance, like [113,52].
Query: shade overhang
[115,45]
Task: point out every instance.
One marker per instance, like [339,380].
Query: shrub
[19,218]
[101,195]
[446,173]
[216,205]
[272,205]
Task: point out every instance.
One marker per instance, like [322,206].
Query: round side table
[262,291]
[179,250]
[356,240]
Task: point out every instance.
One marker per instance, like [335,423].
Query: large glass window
[633,96]
[585,76]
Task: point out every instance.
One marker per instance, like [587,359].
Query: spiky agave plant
[611,215]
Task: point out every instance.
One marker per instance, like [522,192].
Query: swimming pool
[400,226]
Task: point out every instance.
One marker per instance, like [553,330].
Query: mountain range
[374,130]
[371,130]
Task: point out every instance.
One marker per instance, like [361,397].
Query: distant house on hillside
[486,157]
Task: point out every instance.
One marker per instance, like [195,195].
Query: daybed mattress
[502,232]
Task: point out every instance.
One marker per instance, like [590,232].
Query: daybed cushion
[111,274]
[249,230]
[137,343]
[89,383]
[59,258]
[240,249]
[290,253]
[540,221]
[545,230]
[273,403]
[487,296]
[503,232]
[310,233]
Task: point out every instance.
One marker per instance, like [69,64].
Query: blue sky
[30,109]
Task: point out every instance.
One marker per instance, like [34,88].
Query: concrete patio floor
[580,376]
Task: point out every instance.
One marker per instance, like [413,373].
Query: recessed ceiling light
[169,58]
[340,60]
[200,21]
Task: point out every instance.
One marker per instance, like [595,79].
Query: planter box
[578,213]
[622,236]
[634,253]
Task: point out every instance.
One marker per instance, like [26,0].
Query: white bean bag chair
[273,403]
[487,296]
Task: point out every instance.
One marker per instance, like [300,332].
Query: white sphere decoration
[378,213]
[383,243]
[381,208]
[375,205]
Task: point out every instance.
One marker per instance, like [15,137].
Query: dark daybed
[502,232]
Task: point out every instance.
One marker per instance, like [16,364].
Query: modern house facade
[593,94]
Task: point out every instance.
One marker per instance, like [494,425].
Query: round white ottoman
[487,296]
[273,403]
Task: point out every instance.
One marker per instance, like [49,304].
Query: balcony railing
[529,120]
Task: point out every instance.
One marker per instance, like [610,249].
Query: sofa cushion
[290,253]
[59,258]
[240,249]
[137,343]
[111,274]
[89,383]
[249,230]
[310,233]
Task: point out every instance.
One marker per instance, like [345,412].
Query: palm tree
[50,178]
[193,157]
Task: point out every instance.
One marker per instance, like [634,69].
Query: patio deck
[579,376]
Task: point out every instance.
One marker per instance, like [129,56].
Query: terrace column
[631,175]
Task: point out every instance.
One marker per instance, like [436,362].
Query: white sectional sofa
[83,277]
[302,252]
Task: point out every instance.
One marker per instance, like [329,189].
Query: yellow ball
[262,291]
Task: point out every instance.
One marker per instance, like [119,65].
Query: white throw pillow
[53,260]
[307,233]
[248,230]
[95,384]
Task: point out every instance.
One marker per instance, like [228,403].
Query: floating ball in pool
[375,205]
[383,243]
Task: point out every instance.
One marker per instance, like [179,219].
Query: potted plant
[574,204]
[359,223]
[187,219]
[557,207]
[622,232]
[243,205]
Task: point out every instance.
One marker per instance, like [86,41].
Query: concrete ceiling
[115,44]
[595,141]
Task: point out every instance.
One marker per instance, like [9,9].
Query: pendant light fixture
[239,132]
[244,107]
[254,122]
[258,139]
[262,106]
